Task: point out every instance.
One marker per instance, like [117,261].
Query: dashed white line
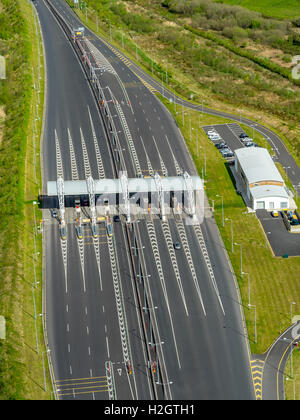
[107,346]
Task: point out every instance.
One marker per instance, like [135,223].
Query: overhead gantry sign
[151,195]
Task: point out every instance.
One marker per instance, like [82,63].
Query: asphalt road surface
[192,326]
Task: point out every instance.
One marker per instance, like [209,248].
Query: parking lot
[283,243]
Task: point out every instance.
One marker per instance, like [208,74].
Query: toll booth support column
[125,191]
[91,191]
[61,201]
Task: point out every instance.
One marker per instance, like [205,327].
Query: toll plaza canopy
[135,185]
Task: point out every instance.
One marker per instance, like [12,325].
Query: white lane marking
[107,347]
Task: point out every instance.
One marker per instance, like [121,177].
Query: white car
[215,137]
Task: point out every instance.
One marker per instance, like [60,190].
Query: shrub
[239,34]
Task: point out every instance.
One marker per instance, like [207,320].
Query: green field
[288,9]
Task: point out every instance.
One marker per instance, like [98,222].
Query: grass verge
[22,95]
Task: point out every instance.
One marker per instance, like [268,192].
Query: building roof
[267,191]
[257,165]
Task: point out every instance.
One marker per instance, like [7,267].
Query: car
[274,213]
[54,213]
[247,139]
[226,153]
[249,144]
[116,218]
[295,220]
[243,135]
[221,145]
[177,245]
[214,138]
[229,154]
[109,229]
[211,132]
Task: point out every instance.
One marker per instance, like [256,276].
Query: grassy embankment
[284,9]
[21,101]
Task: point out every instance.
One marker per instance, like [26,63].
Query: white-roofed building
[261,180]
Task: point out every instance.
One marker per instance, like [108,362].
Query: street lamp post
[34,204]
[222,209]
[137,248]
[292,303]
[150,326]
[147,276]
[35,319]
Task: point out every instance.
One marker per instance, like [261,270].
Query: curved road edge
[274,363]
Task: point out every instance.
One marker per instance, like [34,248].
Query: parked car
[274,213]
[226,153]
[243,135]
[221,145]
[249,144]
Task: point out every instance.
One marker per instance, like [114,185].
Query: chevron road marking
[257,369]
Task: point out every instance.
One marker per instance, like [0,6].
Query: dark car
[243,135]
[116,218]
[221,145]
[177,245]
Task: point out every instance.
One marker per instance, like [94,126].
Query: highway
[80,297]
[192,326]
